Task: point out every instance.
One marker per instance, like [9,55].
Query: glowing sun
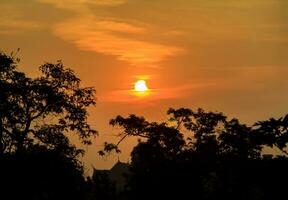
[141,86]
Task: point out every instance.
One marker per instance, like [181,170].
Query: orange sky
[228,55]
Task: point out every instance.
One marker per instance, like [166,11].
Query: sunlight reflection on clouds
[154,95]
[90,32]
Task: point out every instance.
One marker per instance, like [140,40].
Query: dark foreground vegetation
[193,155]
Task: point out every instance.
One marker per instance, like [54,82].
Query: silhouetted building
[117,175]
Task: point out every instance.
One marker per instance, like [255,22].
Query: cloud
[124,40]
[240,4]
[78,5]
[64,3]
[117,26]
[129,96]
[91,34]
[12,23]
[107,2]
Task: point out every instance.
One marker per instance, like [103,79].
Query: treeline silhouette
[195,154]
[203,155]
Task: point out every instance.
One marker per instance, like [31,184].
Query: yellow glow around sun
[140,86]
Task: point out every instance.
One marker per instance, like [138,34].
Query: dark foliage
[41,110]
[39,174]
[203,155]
[37,160]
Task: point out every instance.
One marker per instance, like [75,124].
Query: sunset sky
[224,55]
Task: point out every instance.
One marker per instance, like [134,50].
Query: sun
[141,86]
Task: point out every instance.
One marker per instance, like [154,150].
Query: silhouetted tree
[41,110]
[273,133]
[37,159]
[204,154]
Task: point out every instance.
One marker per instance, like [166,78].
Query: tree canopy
[204,132]
[42,110]
[37,115]
[204,153]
